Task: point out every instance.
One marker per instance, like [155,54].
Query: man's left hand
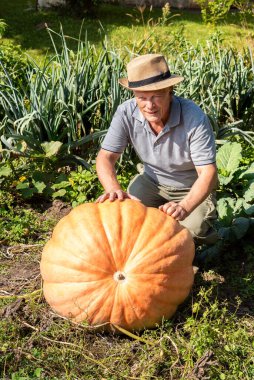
[175,210]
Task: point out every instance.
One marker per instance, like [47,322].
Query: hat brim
[172,81]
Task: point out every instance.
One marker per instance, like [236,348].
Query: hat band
[144,82]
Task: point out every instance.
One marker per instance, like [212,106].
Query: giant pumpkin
[119,263]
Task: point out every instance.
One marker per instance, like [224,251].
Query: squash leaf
[5,171]
[51,148]
[39,186]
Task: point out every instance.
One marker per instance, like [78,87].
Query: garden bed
[53,116]
[211,335]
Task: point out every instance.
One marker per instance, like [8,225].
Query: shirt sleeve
[202,143]
[116,138]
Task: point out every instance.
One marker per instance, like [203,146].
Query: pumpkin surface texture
[119,263]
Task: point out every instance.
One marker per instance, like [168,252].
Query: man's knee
[201,222]
[209,237]
[144,189]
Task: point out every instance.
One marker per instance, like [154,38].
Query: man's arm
[202,187]
[105,167]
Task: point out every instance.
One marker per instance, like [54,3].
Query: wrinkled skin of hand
[115,194]
[175,210]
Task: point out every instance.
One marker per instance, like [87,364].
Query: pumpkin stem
[119,276]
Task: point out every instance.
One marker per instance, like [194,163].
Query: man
[174,140]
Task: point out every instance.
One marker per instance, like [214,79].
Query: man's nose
[150,104]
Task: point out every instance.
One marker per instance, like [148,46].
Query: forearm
[105,168]
[200,190]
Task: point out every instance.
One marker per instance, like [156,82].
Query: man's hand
[175,210]
[115,194]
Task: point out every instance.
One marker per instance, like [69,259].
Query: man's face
[154,105]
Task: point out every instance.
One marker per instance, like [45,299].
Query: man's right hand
[116,194]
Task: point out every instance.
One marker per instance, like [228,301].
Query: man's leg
[199,222]
[142,187]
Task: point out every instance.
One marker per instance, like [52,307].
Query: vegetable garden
[53,116]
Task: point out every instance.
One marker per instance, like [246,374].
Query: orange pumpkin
[117,262]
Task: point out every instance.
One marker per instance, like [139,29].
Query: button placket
[156,145]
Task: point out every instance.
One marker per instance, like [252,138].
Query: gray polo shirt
[170,157]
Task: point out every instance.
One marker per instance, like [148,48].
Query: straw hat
[149,72]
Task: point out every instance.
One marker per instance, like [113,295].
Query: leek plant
[68,103]
[59,116]
[221,81]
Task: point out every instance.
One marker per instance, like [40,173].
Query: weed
[19,224]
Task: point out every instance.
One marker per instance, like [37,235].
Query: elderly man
[174,140]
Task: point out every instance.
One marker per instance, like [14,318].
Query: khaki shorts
[199,222]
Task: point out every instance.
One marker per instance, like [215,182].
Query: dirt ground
[25,308]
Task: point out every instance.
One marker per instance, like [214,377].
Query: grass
[26,27]
[210,336]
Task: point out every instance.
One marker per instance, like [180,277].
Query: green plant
[151,41]
[235,204]
[210,332]
[3,27]
[20,225]
[221,82]
[79,187]
[22,375]
[27,178]
[82,185]
[166,15]
[245,8]
[14,62]
[82,7]
[61,110]
[214,10]
[141,16]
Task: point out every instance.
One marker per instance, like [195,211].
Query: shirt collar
[175,114]
[173,120]
[137,114]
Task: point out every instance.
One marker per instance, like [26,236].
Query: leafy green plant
[235,205]
[236,211]
[80,186]
[27,178]
[83,185]
[3,27]
[245,8]
[14,62]
[18,224]
[82,7]
[152,42]
[214,10]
